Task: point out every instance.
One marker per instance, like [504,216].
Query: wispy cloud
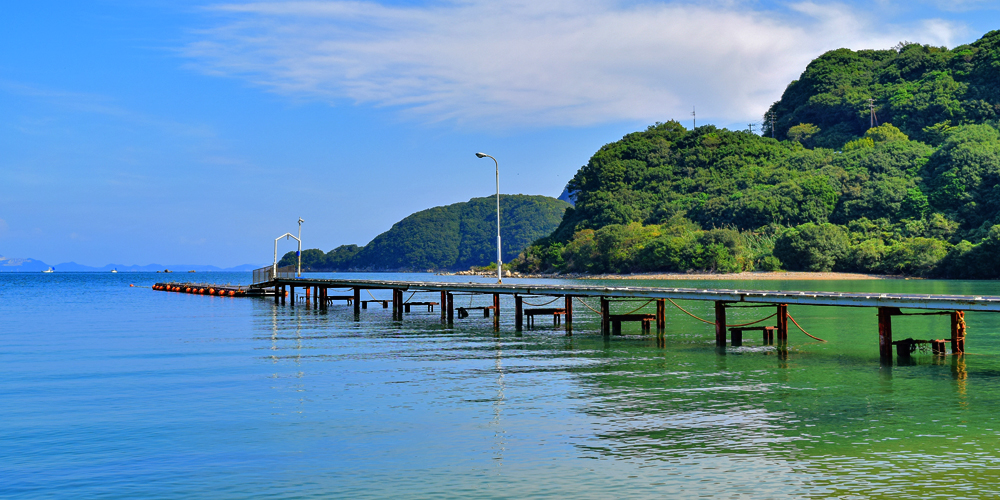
[517,62]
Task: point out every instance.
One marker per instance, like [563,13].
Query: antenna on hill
[694,119]
[874,119]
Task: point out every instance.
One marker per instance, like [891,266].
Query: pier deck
[284,283]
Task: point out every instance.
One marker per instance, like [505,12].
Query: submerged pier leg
[496,311]
[958,332]
[451,308]
[518,313]
[444,306]
[357,301]
[308,296]
[661,316]
[720,324]
[782,324]
[605,316]
[322,298]
[885,334]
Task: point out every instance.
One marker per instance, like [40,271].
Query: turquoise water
[112,391]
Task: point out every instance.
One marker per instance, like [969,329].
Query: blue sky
[195,132]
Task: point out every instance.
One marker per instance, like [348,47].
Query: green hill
[918,196]
[452,237]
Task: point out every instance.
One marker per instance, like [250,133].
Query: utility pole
[771,115]
[751,127]
[694,119]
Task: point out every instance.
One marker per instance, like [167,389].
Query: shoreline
[744,276]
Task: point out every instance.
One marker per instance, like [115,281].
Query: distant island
[451,237]
[881,161]
[23,265]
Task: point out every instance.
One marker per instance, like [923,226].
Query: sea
[112,390]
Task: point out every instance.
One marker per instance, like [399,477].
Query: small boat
[50,270]
[115,270]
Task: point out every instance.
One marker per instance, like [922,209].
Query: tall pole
[499,260]
[299,253]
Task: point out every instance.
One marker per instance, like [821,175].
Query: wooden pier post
[605,316]
[444,306]
[958,332]
[308,296]
[782,324]
[518,313]
[569,315]
[322,297]
[885,334]
[496,311]
[451,308]
[357,300]
[720,324]
[291,294]
[661,315]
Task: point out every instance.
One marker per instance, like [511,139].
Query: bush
[916,256]
[812,247]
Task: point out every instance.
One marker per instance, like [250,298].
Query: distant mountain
[452,237]
[13,264]
[9,265]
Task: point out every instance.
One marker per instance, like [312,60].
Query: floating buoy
[131,284]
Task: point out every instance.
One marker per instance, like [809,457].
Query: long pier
[887,305]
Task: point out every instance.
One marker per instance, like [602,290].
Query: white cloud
[517,62]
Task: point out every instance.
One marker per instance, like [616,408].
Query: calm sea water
[113,391]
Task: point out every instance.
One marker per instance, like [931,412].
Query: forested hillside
[452,237]
[919,194]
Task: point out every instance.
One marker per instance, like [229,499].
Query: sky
[195,132]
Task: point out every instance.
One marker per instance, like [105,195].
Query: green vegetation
[917,195]
[452,237]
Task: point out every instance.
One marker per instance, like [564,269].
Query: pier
[886,306]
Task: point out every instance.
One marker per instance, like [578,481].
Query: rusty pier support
[518,313]
[605,316]
[720,324]
[885,334]
[958,332]
[782,324]
[357,301]
[451,308]
[569,315]
[496,312]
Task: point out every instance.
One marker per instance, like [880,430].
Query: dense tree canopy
[918,194]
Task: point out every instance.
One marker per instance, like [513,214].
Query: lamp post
[299,253]
[499,261]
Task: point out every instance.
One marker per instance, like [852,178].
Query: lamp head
[300,220]
[481,155]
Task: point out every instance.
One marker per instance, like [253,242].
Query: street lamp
[499,261]
[300,247]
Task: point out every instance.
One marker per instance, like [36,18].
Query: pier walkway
[887,304]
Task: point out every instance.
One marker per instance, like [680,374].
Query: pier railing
[266,274]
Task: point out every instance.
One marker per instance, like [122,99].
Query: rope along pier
[887,305]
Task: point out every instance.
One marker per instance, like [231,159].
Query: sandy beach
[749,276]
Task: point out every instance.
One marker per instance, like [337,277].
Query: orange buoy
[211,291]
